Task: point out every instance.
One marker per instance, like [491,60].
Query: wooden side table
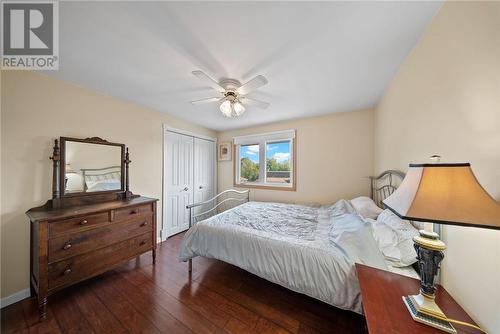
[385,311]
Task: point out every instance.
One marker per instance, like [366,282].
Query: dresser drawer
[76,224]
[127,213]
[89,264]
[76,243]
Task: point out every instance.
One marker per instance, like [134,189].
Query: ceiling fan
[232,94]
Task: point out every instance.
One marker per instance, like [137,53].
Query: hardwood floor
[141,298]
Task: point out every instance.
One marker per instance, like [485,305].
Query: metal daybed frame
[219,201]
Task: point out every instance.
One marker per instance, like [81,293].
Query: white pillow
[408,255]
[403,228]
[387,241]
[366,207]
[405,232]
[74,182]
[341,207]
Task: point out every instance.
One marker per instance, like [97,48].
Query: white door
[204,172]
[178,164]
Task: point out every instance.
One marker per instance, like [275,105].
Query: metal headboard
[384,185]
[99,173]
[221,202]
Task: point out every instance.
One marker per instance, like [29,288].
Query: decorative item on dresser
[92,223]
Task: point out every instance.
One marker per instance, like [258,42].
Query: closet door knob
[185,189]
[201,187]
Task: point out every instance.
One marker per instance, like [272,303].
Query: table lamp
[444,193]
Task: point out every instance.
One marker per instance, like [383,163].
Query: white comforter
[306,249]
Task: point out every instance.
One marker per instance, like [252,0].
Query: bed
[322,242]
[101,179]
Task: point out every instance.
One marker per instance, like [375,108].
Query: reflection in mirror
[92,167]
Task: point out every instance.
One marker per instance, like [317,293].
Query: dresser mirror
[90,166]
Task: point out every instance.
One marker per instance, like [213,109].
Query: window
[265,160]
[278,168]
[249,163]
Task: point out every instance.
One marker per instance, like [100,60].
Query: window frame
[292,186]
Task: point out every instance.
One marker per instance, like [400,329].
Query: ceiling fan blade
[253,102]
[209,81]
[206,100]
[252,85]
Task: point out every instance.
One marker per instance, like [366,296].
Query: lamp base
[423,307]
[425,310]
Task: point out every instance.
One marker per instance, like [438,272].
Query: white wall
[334,158]
[445,100]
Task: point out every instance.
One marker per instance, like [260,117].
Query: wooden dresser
[90,225]
[69,245]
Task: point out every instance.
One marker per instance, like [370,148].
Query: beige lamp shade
[445,194]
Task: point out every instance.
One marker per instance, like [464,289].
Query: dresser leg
[42,308]
[154,255]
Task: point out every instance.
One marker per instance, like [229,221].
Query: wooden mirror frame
[60,199]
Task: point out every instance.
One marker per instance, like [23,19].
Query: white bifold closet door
[204,172]
[189,177]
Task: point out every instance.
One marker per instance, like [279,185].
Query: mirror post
[56,161]
[127,161]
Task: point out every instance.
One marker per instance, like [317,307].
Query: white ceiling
[318,57]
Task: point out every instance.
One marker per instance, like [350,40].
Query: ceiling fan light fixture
[238,108]
[232,94]
[226,108]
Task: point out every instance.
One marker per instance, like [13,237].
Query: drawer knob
[67,246]
[83,222]
[142,243]
[67,271]
[134,212]
[144,224]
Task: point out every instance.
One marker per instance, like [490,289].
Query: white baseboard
[163,235]
[15,297]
